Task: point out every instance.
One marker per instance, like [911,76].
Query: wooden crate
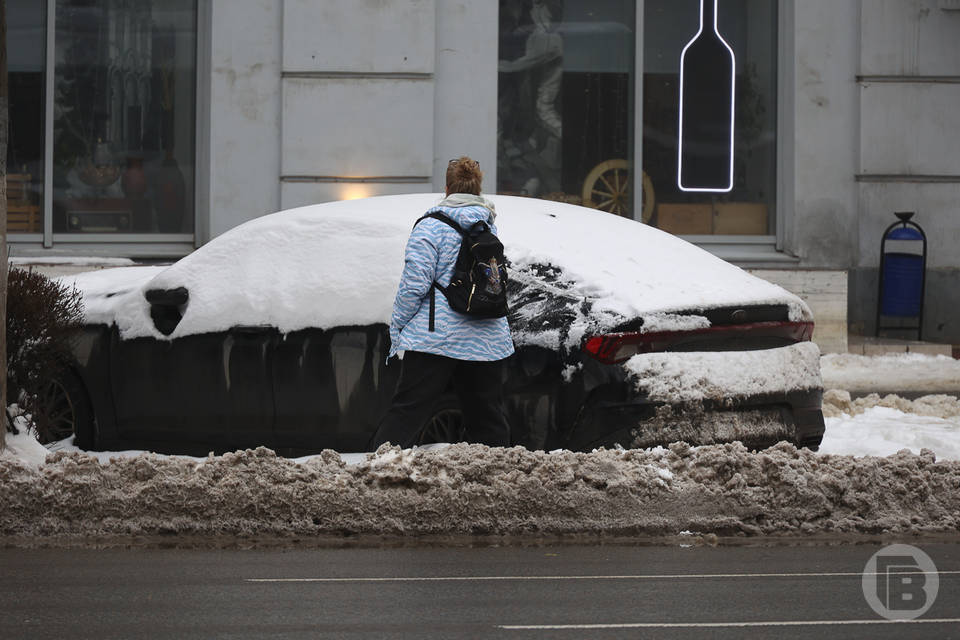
[740,218]
[22,214]
[685,219]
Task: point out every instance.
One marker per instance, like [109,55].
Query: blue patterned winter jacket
[431,253]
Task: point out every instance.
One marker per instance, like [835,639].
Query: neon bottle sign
[707,89]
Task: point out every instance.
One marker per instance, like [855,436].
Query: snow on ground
[836,402]
[881,431]
[875,425]
[881,426]
[23,446]
[474,489]
[36,453]
[894,372]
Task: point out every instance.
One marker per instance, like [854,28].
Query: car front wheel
[63,409]
[812,443]
[445,423]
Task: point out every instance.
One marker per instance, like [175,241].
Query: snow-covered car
[275,334]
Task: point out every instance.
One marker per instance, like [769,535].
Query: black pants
[423,379]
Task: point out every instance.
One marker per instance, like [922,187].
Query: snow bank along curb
[900,372]
[473,489]
[876,426]
[837,402]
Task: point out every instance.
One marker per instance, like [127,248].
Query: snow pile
[895,372]
[23,445]
[882,431]
[684,377]
[473,489]
[837,402]
[881,426]
[339,263]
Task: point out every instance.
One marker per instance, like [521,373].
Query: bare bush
[42,319]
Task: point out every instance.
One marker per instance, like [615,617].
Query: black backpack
[478,287]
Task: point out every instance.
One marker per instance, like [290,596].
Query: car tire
[445,423]
[63,409]
[811,443]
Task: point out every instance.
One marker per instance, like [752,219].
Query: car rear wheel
[63,409]
[445,423]
[812,443]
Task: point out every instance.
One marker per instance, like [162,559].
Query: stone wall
[826,293]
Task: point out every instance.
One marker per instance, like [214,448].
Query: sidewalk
[907,368]
[873,346]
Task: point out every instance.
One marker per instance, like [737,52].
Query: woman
[455,348]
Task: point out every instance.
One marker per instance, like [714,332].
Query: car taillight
[616,347]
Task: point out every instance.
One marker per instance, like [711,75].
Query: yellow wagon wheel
[607,187]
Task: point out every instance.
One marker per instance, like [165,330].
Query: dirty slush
[472,489]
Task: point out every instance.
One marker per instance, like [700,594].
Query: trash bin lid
[904,233]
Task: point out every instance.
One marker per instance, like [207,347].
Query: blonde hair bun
[464,176]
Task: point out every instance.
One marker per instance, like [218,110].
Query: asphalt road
[522,592]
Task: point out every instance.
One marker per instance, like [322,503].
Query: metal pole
[4,105]
[48,126]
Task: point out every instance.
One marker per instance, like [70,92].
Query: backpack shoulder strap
[436,215]
[442,218]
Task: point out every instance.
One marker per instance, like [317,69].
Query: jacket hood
[467,209]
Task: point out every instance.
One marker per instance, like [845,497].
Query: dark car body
[301,390]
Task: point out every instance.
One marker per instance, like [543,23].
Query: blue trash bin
[902,274]
[902,285]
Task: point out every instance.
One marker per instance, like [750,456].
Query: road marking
[772,623]
[664,576]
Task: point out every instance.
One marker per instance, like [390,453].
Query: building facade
[144,128]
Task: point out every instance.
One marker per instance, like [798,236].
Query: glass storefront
[566,112]
[124,100]
[26,61]
[125,96]
[566,74]
[123,129]
[711,206]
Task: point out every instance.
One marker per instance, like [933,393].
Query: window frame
[125,244]
[744,249]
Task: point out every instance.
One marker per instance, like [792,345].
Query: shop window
[124,116]
[565,101]
[708,205]
[26,34]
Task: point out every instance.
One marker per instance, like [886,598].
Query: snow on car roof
[339,263]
